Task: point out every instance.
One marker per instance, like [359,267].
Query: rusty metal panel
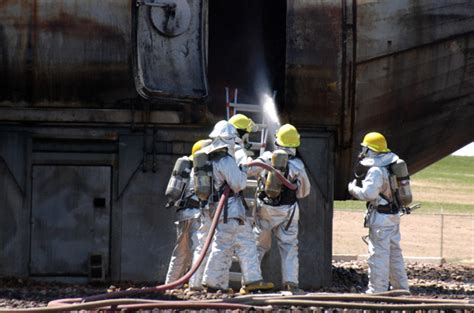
[73,115]
[387,26]
[67,227]
[65,52]
[170,49]
[313,62]
[414,80]
[422,99]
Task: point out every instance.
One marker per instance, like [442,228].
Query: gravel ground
[436,281]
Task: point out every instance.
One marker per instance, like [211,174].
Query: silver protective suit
[187,222]
[182,253]
[195,282]
[385,261]
[241,155]
[236,235]
[274,219]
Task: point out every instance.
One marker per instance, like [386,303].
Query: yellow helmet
[198,145]
[242,122]
[375,142]
[288,136]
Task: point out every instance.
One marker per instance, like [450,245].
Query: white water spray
[271,119]
[270,112]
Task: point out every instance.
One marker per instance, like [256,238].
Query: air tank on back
[202,175]
[400,170]
[273,184]
[178,180]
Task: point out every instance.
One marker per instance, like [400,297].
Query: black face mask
[242,133]
[244,136]
[363,153]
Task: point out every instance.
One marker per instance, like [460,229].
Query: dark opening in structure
[246,49]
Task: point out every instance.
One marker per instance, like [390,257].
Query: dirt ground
[423,235]
[442,192]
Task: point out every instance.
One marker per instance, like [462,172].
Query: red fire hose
[282,178]
[195,266]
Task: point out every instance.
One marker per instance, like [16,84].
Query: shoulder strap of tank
[385,197]
[206,167]
[217,155]
[394,202]
[389,167]
[287,172]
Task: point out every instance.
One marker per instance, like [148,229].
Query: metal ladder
[235,107]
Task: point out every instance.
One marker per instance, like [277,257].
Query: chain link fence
[449,236]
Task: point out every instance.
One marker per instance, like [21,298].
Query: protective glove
[244,168]
[351,186]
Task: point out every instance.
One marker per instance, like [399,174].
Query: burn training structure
[99,98]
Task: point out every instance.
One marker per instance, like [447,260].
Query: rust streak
[79,27]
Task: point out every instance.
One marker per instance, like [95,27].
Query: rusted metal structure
[98,98]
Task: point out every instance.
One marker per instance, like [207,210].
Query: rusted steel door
[74,223]
[170,48]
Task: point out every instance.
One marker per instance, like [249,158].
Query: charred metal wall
[415,78]
[65,53]
[313,63]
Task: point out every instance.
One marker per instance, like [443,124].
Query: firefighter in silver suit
[226,171]
[279,216]
[385,261]
[187,220]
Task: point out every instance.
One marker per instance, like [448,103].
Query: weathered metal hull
[416,82]
[66,53]
[69,75]
[403,68]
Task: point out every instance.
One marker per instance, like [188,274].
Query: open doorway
[247,42]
